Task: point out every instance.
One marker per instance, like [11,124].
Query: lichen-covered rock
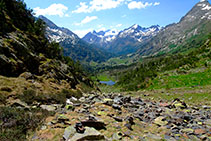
[89,134]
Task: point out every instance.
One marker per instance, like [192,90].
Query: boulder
[48,107]
[94,122]
[19,103]
[89,134]
[117,136]
[69,131]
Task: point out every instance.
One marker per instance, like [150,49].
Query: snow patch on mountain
[138,33]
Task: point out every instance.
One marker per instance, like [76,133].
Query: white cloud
[138,5]
[97,5]
[87,19]
[156,3]
[118,25]
[83,8]
[82,33]
[54,9]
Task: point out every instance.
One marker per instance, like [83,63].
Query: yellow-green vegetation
[18,122]
[103,77]
[101,111]
[108,89]
[182,80]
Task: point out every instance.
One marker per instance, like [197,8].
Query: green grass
[185,80]
[108,89]
[190,98]
[102,77]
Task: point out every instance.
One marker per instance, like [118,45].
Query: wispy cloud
[118,25]
[54,9]
[97,5]
[141,5]
[156,3]
[87,19]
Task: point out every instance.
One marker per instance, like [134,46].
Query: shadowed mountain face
[26,52]
[72,45]
[191,30]
[123,42]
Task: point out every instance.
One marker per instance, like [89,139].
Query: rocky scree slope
[73,46]
[115,116]
[188,33]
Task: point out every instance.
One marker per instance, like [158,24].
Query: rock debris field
[118,117]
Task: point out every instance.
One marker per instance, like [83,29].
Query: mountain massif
[73,46]
[123,42]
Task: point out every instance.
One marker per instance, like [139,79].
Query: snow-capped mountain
[139,33]
[123,42]
[101,38]
[58,34]
[73,46]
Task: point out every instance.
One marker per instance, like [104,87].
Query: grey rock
[69,131]
[89,134]
[119,119]
[117,136]
[115,106]
[48,107]
[94,122]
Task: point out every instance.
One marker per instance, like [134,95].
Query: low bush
[16,123]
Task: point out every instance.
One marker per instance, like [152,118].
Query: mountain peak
[48,22]
[135,26]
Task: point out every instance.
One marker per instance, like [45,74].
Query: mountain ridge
[174,37]
[123,42]
[73,46]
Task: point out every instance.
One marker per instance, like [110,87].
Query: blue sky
[82,16]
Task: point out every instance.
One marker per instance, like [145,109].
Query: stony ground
[114,116]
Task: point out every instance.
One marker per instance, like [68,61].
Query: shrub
[15,123]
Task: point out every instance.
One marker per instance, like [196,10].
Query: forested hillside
[150,68]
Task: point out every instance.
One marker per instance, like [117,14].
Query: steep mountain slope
[33,73]
[188,33]
[25,52]
[72,45]
[124,42]
[129,40]
[177,70]
[101,38]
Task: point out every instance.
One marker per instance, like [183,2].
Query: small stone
[48,107]
[117,136]
[160,121]
[69,107]
[199,131]
[187,130]
[115,106]
[119,119]
[82,99]
[44,127]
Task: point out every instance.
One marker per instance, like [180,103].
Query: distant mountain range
[123,42]
[73,46]
[189,32]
